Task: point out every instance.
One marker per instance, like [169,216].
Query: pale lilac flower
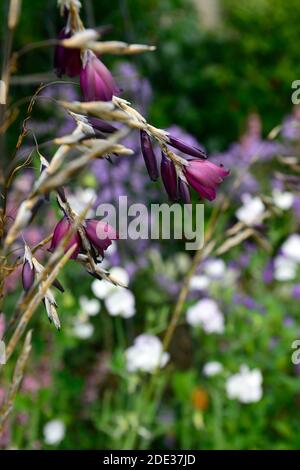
[120,302]
[282,199]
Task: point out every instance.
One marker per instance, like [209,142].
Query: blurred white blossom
[212,368]
[199,282]
[146,354]
[245,386]
[250,213]
[121,302]
[282,199]
[291,247]
[81,198]
[83,329]
[285,269]
[214,268]
[207,314]
[54,432]
[89,306]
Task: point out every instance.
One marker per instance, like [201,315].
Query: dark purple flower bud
[185,148]
[100,234]
[169,177]
[101,125]
[60,232]
[149,156]
[96,81]
[28,273]
[67,61]
[184,191]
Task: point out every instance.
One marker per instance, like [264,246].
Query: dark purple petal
[184,191]
[66,61]
[169,177]
[185,148]
[101,125]
[28,274]
[149,156]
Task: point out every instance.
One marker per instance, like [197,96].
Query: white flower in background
[54,432]
[120,302]
[101,289]
[200,282]
[83,329]
[90,307]
[285,269]
[146,354]
[81,198]
[245,386]
[282,199]
[120,274]
[214,268]
[291,247]
[212,368]
[250,213]
[206,313]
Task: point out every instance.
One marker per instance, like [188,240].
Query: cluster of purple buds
[98,233]
[195,171]
[96,81]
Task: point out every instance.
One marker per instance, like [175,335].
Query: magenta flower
[96,81]
[169,177]
[60,232]
[66,61]
[100,234]
[204,176]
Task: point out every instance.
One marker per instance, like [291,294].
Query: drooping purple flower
[169,177]
[149,155]
[185,148]
[96,81]
[100,234]
[204,176]
[28,274]
[67,61]
[60,232]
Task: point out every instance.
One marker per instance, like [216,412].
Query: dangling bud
[149,156]
[28,274]
[184,191]
[96,81]
[169,177]
[67,61]
[60,232]
[185,148]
